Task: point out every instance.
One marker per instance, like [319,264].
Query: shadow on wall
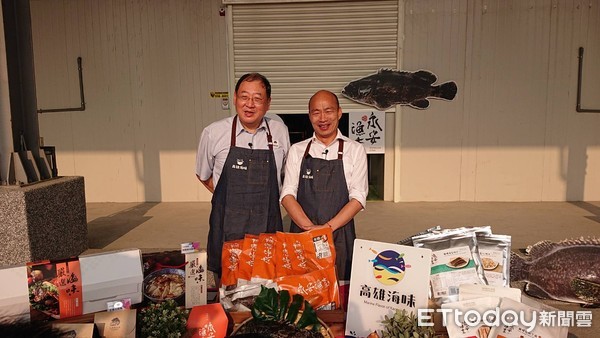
[149,172]
[105,230]
[575,170]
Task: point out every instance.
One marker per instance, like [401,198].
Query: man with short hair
[326,182]
[240,160]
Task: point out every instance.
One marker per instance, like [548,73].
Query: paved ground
[162,226]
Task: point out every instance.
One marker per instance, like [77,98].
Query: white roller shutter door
[304,46]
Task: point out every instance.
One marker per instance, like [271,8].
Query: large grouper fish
[568,270]
[388,87]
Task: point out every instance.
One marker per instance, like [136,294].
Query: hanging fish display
[388,87]
[568,270]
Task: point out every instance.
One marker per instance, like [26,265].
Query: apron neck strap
[307,149]
[269,137]
[234,129]
[340,149]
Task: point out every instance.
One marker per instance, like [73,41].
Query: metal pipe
[81,95]
[579,75]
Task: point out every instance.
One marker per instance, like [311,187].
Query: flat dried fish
[388,87]
[568,271]
[458,261]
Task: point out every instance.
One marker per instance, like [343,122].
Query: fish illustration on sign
[388,87]
[568,271]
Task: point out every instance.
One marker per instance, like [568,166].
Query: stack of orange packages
[302,263]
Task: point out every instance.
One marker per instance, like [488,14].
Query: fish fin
[382,108]
[519,269]
[446,91]
[386,70]
[535,290]
[542,248]
[425,76]
[586,290]
[420,104]
[382,103]
[580,241]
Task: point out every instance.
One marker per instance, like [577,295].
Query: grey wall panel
[149,68]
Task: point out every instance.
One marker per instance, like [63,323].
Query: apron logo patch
[239,165]
[308,175]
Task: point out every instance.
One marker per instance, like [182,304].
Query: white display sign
[385,277]
[368,128]
[195,279]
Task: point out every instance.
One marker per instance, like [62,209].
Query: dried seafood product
[495,258]
[455,260]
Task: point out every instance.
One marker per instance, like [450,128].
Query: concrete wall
[148,68]
[511,134]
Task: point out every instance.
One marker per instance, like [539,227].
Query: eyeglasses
[258,101]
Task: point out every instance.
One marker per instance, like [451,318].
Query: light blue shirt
[216,140]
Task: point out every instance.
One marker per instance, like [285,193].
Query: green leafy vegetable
[284,300]
[271,305]
[292,313]
[163,320]
[404,325]
[266,305]
[309,317]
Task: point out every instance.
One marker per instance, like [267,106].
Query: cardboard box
[55,288]
[116,324]
[77,330]
[14,294]
[111,276]
[195,279]
[208,321]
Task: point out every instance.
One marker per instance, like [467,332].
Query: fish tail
[446,91]
[519,269]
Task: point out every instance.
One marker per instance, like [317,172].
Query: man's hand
[296,213]
[208,184]
[319,227]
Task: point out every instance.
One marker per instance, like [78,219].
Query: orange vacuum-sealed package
[319,288]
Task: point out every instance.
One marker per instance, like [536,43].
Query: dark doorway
[300,129]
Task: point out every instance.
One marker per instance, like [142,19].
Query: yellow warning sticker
[219,94]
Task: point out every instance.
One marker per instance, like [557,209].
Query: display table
[335,319]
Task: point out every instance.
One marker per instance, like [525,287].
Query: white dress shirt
[355,165]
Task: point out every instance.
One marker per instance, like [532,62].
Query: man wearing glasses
[240,160]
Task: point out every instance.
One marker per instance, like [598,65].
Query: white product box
[111,276]
[14,293]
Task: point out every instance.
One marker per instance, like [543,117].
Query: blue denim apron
[246,198]
[322,193]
